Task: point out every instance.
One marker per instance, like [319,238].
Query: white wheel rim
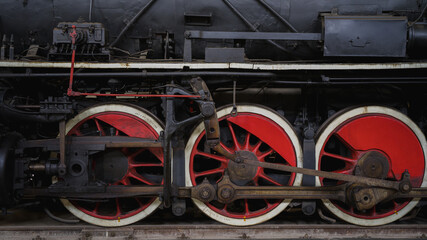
[113,108]
[337,122]
[297,181]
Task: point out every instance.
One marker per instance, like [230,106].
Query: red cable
[70,91]
[132,95]
[73,36]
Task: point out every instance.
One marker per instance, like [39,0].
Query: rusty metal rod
[289,192]
[241,192]
[331,175]
[102,193]
[106,141]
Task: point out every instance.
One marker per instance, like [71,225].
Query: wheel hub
[373,164]
[111,166]
[241,173]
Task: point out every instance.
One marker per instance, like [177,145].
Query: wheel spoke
[212,156]
[137,176]
[265,154]
[125,181]
[247,145]
[99,127]
[133,155]
[209,172]
[395,205]
[256,147]
[349,160]
[266,177]
[134,165]
[139,202]
[267,203]
[233,135]
[226,148]
[95,210]
[256,180]
[351,209]
[118,210]
[246,207]
[374,211]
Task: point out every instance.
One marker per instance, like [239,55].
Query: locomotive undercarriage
[113,163]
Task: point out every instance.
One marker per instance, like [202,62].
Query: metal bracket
[172,125]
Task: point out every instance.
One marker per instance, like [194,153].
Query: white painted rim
[135,111]
[361,111]
[298,152]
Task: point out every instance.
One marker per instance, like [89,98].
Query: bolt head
[226,193]
[204,194]
[405,187]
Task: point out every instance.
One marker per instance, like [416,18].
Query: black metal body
[7,169]
[159,28]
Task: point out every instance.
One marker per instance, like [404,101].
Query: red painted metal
[271,134]
[76,94]
[382,133]
[267,132]
[126,125]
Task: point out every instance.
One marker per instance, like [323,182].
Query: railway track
[35,225]
[216,231]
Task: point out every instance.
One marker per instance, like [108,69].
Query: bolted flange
[225,189]
[204,192]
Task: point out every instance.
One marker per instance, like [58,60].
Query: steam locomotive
[246,107]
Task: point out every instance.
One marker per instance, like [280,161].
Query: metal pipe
[282,19]
[90,10]
[137,74]
[374,78]
[138,15]
[8,113]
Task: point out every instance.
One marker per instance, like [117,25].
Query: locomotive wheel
[126,166]
[349,135]
[255,131]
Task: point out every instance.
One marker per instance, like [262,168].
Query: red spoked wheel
[259,134]
[125,166]
[351,134]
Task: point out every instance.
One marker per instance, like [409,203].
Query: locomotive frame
[131,136]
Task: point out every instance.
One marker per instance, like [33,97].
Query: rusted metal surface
[331,175]
[104,141]
[95,192]
[229,192]
[200,65]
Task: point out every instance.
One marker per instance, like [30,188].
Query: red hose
[73,36]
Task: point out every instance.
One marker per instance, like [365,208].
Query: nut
[226,193]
